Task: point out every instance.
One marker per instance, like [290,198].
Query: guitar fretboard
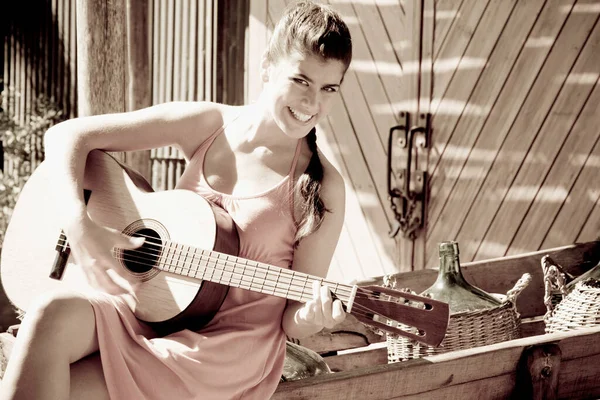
[245,274]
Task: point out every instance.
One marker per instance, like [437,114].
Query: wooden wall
[516,156]
[512,86]
[513,89]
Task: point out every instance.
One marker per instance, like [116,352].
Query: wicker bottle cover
[452,288]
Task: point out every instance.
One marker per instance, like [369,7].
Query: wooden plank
[451,146]
[578,208]
[155,49]
[200,89]
[356,97]
[437,375]
[72,61]
[421,148]
[411,58]
[549,138]
[357,360]
[369,243]
[193,45]
[375,66]
[397,64]
[210,47]
[479,96]
[516,112]
[169,50]
[361,91]
[457,41]
[560,180]
[357,177]
[178,75]
[592,226]
[445,13]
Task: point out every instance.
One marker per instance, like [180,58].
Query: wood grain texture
[459,168]
[488,371]
[519,131]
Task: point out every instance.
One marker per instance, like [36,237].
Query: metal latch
[407,185]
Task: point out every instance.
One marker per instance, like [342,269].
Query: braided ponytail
[309,184]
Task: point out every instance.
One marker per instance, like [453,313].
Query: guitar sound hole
[143,259]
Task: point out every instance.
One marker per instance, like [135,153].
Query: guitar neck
[246,274]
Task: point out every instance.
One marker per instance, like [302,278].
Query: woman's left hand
[322,311]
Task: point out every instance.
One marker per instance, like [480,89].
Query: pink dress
[240,353]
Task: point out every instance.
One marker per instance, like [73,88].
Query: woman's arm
[67,146]
[313,256]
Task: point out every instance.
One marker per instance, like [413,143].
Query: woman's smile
[304,118]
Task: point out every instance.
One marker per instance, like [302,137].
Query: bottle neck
[450,268]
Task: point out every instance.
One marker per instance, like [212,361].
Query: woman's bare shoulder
[202,119]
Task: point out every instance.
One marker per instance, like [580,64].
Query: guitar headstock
[422,319]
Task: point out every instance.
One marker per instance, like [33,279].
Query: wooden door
[515,153]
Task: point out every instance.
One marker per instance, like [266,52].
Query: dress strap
[295,160]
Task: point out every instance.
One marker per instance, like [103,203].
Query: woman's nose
[311,100]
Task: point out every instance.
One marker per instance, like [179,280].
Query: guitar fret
[253,275]
[173,252]
[287,292]
[167,262]
[243,273]
[178,261]
[194,262]
[187,265]
[304,286]
[212,274]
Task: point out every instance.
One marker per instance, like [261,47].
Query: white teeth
[299,116]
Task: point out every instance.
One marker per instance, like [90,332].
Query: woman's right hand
[92,247]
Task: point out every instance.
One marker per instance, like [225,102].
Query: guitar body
[119,198]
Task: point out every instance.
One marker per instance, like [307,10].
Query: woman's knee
[58,308]
[62,319]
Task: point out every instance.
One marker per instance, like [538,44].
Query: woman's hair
[313,30]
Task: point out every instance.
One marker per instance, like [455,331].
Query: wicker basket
[467,329]
[578,309]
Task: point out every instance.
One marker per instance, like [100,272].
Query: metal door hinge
[407,185]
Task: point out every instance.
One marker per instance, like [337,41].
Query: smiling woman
[258,163]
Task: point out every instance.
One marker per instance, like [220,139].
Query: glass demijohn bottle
[452,288]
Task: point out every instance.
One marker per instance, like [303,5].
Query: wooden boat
[538,366]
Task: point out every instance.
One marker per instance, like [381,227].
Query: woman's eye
[330,89]
[301,81]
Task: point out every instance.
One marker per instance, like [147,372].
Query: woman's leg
[87,379]
[58,330]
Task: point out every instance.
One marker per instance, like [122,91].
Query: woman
[261,164]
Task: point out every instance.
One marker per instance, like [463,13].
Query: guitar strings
[268,271]
[357,309]
[223,260]
[362,293]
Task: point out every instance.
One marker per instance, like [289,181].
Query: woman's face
[301,90]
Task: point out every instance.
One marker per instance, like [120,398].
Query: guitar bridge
[62,255]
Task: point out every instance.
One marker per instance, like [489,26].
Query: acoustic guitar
[187,263]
